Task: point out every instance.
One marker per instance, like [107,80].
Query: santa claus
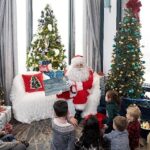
[84,88]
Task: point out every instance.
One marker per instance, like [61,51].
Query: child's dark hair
[120,123]
[61,108]
[114,96]
[91,133]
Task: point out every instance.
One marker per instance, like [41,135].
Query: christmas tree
[46,44]
[127,70]
[35,83]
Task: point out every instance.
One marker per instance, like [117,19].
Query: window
[145,32]
[60,8]
[21,35]
[78,27]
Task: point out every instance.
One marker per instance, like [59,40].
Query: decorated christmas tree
[35,83]
[127,70]
[46,44]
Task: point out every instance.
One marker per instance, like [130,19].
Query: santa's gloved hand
[60,92]
[70,83]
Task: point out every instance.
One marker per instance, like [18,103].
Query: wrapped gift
[5,116]
[45,66]
[56,83]
[55,74]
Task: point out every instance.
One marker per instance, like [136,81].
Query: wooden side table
[5,116]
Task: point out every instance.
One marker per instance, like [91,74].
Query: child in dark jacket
[92,137]
[133,114]
[112,109]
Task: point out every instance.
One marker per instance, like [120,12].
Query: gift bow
[134,5]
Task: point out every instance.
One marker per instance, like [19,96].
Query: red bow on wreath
[134,5]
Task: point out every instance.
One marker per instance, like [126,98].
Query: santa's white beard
[78,74]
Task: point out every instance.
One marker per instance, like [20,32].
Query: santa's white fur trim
[80,106]
[93,98]
[77,60]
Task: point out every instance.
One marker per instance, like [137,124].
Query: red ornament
[134,5]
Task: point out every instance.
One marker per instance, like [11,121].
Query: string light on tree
[46,44]
[127,70]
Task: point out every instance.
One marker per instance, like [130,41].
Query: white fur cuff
[79,86]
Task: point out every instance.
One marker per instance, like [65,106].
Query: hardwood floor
[38,134]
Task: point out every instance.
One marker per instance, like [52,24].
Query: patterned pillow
[33,83]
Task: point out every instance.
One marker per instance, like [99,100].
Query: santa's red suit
[80,95]
[85,87]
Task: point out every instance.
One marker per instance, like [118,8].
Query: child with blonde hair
[133,115]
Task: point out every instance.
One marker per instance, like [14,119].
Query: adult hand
[2,133]
[105,126]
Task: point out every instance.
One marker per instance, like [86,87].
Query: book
[55,85]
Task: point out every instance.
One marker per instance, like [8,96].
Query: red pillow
[33,83]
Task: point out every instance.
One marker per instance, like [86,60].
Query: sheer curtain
[93,37]
[8,45]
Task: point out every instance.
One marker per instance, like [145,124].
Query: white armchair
[28,107]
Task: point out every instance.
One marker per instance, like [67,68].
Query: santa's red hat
[78,59]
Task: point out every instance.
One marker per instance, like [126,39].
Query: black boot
[78,115]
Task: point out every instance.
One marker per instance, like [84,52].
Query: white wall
[109,33]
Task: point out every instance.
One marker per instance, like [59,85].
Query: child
[14,145]
[91,135]
[133,114]
[119,137]
[8,140]
[63,132]
[112,109]
[6,137]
